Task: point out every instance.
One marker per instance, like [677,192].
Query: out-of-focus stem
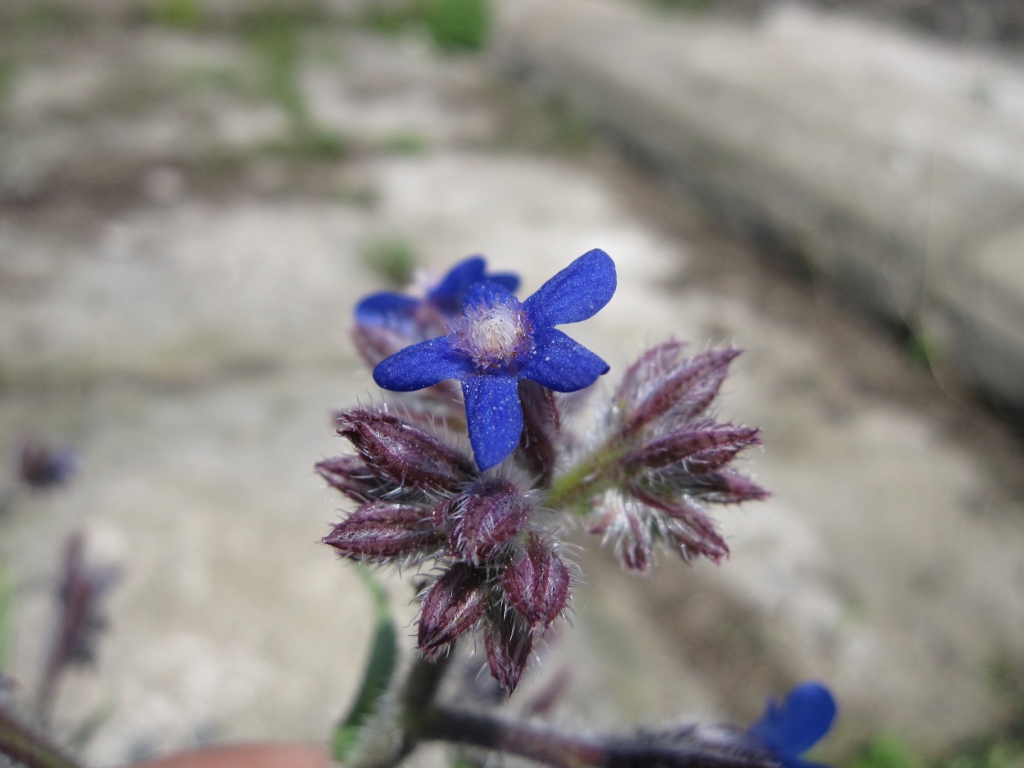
[421,686]
[544,746]
[27,747]
[566,751]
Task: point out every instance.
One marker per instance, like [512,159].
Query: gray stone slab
[870,156]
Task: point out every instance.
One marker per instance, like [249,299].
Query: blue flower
[499,340]
[791,728]
[399,311]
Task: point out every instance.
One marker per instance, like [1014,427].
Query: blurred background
[195,193]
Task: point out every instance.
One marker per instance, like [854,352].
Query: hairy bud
[683,388]
[351,476]
[540,430]
[700,449]
[403,454]
[537,583]
[451,605]
[487,517]
[508,640]
[381,531]
[628,524]
[719,487]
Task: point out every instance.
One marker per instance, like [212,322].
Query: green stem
[26,746]
[593,474]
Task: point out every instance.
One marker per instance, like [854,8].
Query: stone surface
[870,156]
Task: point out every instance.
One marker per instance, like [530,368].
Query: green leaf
[376,678]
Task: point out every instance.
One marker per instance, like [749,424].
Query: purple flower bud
[351,476]
[537,583]
[726,487]
[81,618]
[403,454]
[700,449]
[487,517]
[540,430]
[46,466]
[635,547]
[648,369]
[683,390]
[451,605]
[377,342]
[509,643]
[628,524]
[685,526]
[381,531]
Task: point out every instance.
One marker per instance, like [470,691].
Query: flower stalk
[29,747]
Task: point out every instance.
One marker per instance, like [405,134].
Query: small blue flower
[396,310]
[499,340]
[791,728]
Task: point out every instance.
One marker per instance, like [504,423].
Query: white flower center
[494,336]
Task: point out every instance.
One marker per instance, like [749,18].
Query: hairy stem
[417,698]
[543,746]
[683,749]
[573,489]
[26,746]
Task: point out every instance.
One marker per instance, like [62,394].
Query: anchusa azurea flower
[387,321]
[792,727]
[489,521]
[497,341]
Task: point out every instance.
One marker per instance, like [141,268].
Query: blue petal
[508,280]
[575,293]
[449,293]
[422,365]
[489,293]
[494,417]
[799,722]
[389,309]
[561,364]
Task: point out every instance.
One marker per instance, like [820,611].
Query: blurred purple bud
[537,583]
[648,369]
[382,531]
[635,547]
[627,524]
[683,390]
[376,342]
[726,487]
[451,606]
[351,476]
[82,590]
[45,466]
[403,454]
[540,430]
[487,517]
[553,693]
[509,643]
[685,526]
[700,449]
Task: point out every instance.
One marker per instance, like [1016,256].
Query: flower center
[495,337]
